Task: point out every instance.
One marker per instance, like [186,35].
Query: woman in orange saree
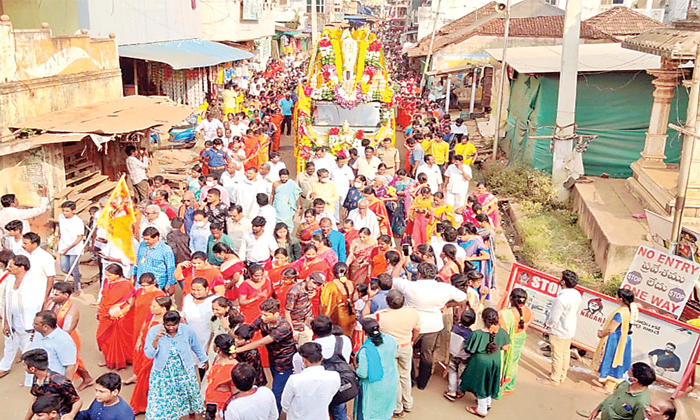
[67,318]
[216,385]
[232,270]
[142,313]
[359,257]
[115,317]
[311,262]
[139,398]
[336,300]
[379,208]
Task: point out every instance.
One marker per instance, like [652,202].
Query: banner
[669,346]
[117,217]
[665,345]
[661,280]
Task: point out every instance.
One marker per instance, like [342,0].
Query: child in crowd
[13,237]
[108,405]
[244,335]
[458,355]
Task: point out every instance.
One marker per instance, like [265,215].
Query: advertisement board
[667,345]
[661,280]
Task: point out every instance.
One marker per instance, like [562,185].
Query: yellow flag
[117,217]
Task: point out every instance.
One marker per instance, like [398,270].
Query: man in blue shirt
[157,258]
[287,106]
[216,158]
[58,344]
[108,405]
[336,238]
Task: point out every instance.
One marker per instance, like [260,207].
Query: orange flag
[117,217]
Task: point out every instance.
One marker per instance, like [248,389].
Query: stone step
[649,202]
[605,209]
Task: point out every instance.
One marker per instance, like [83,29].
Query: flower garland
[346,99]
[333,137]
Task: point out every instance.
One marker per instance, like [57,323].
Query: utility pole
[687,151]
[430,48]
[504,76]
[314,23]
[565,131]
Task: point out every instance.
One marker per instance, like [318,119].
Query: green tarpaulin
[615,106]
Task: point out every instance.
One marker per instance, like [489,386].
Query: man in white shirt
[561,324]
[251,402]
[308,394]
[152,216]
[230,178]
[458,128]
[323,160]
[258,247]
[367,165]
[428,296]
[248,189]
[457,177]
[276,165]
[432,171]
[266,211]
[71,230]
[209,125]
[237,226]
[362,216]
[343,176]
[11,211]
[43,264]
[322,327]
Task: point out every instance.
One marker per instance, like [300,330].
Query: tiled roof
[622,21]
[538,27]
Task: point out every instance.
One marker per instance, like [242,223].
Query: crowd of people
[260,293]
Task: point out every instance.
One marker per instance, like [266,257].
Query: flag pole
[77,260]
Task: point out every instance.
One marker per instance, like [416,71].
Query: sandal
[449,396]
[472,410]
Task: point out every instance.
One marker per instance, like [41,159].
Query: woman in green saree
[514,320]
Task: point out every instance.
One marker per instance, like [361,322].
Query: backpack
[349,383]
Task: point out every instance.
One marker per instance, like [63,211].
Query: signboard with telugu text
[661,280]
[669,346]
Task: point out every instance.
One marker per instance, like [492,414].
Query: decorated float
[348,96]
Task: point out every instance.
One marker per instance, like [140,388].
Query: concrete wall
[40,73]
[21,173]
[221,21]
[64,16]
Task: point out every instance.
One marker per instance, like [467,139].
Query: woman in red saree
[199,267]
[359,257]
[139,398]
[307,227]
[311,262]
[254,291]
[489,203]
[379,208]
[115,317]
[232,270]
[142,313]
[216,385]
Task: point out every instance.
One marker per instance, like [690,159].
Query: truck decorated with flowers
[348,95]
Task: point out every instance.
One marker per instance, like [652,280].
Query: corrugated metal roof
[592,57]
[123,115]
[185,54]
[666,42]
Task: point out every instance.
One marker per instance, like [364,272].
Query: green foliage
[520,181]
[551,239]
[611,286]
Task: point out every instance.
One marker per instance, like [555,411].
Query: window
[365,116]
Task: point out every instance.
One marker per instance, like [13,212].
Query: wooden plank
[64,193]
[81,167]
[98,191]
[73,181]
[95,180]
